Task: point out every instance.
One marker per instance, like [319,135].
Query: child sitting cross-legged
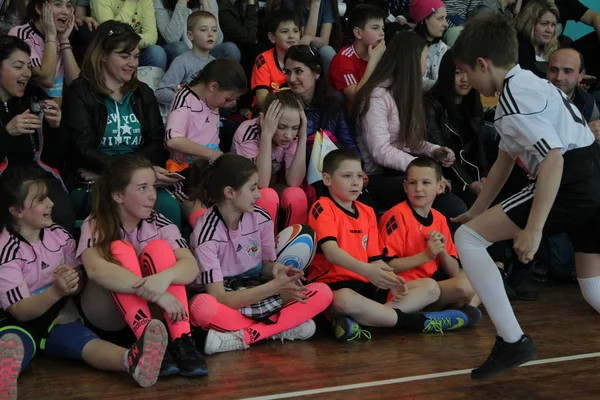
[419,239]
[350,260]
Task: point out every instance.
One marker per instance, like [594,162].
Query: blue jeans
[153,56]
[174,50]
[226,50]
[327,53]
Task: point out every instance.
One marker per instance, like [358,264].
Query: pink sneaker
[11,358]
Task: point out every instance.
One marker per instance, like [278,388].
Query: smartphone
[175,175]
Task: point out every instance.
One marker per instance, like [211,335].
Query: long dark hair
[105,212]
[10,44]
[17,7]
[324,97]
[110,36]
[209,178]
[399,72]
[226,72]
[444,90]
[14,187]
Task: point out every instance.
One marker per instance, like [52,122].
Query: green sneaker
[347,329]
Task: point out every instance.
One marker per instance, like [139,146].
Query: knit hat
[421,9]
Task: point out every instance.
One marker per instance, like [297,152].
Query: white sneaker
[219,342]
[301,332]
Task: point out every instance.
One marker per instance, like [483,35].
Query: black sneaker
[187,356]
[169,366]
[506,356]
[522,282]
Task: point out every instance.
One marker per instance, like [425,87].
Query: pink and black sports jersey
[223,253]
[246,141]
[191,118]
[35,39]
[27,269]
[157,227]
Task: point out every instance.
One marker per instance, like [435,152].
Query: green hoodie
[123,133]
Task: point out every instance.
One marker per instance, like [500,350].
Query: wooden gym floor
[394,365]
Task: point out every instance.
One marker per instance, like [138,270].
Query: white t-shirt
[534,117]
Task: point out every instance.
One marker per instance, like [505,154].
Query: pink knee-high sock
[134,309]
[207,313]
[269,200]
[295,204]
[293,313]
[156,257]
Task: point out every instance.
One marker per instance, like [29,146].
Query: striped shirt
[347,68]
[533,117]
[224,253]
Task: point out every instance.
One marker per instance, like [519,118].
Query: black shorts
[365,289]
[576,209]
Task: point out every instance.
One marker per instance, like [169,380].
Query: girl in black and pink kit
[38,276]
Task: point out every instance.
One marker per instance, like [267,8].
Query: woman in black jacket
[30,126]
[109,112]
[455,120]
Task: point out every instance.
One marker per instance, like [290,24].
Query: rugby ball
[295,246]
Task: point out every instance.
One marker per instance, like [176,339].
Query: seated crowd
[118,197]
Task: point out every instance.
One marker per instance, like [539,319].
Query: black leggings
[387,191]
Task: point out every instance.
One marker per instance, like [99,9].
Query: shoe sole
[11,359]
[340,332]
[492,374]
[153,350]
[210,338]
[170,372]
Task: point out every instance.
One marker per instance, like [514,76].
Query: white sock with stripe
[590,289]
[487,281]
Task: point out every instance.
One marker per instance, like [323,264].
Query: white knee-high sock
[590,289]
[486,280]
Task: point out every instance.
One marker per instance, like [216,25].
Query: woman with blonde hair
[536,30]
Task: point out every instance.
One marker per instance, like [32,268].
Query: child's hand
[444,155]
[270,120]
[287,283]
[151,288]
[48,25]
[401,291]
[66,280]
[52,113]
[303,123]
[375,53]
[380,276]
[434,248]
[435,235]
[172,307]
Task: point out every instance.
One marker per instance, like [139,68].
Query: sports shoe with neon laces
[446,320]
[506,356]
[347,329]
[301,332]
[472,313]
[188,358]
[220,342]
[146,355]
[11,359]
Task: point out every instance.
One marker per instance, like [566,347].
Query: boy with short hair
[267,74]
[419,239]
[546,135]
[202,32]
[353,65]
[350,260]
[52,61]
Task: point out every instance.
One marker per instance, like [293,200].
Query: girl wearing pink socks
[134,256]
[38,276]
[249,296]
[276,141]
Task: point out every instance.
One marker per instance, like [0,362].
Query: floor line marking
[411,379]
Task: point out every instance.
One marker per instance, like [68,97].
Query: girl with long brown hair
[136,256]
[391,124]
